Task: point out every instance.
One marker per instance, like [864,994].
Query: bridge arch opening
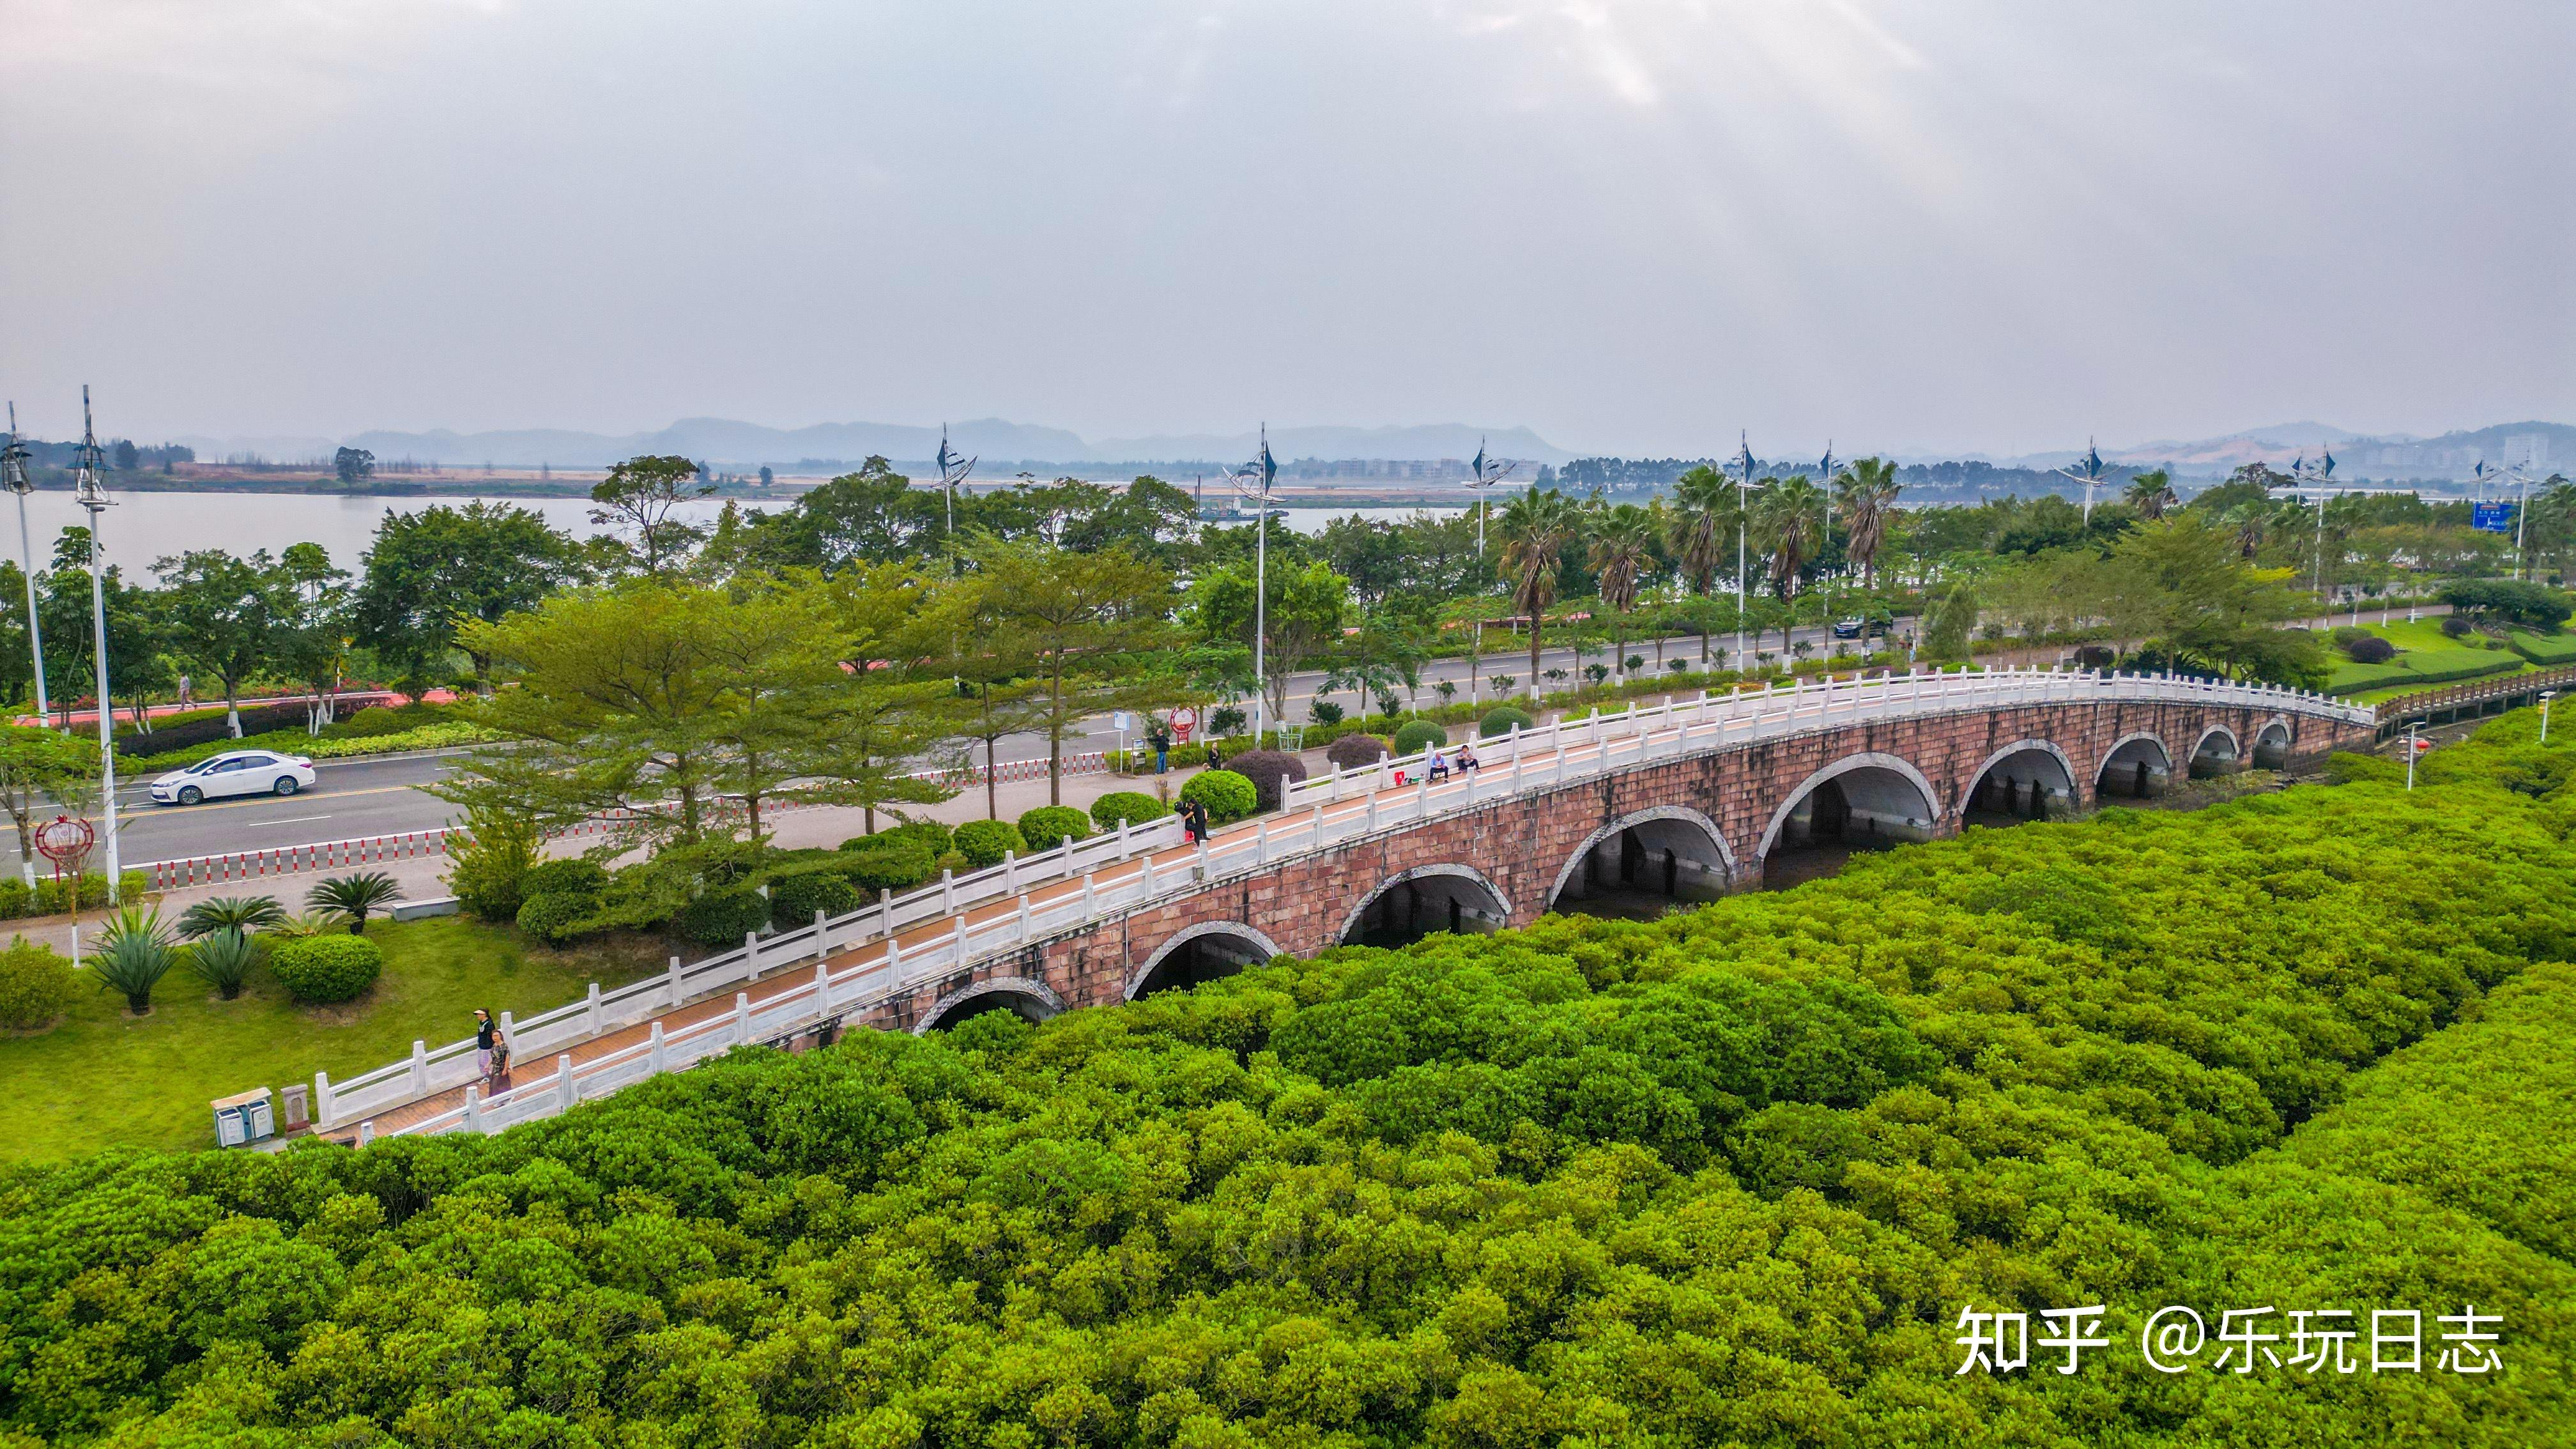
[1642,864]
[1033,1001]
[1199,955]
[2138,768]
[2272,745]
[1414,904]
[2215,753]
[1865,802]
[2027,780]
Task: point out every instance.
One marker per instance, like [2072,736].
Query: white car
[241,772]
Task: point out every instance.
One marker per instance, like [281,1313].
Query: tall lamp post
[92,493]
[1488,472]
[2546,696]
[1253,482]
[1825,540]
[2412,750]
[2321,475]
[1743,468]
[13,476]
[2087,471]
[952,472]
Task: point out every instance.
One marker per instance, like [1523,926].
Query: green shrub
[793,899]
[2549,649]
[1227,795]
[1133,806]
[223,960]
[575,877]
[896,866]
[1419,735]
[930,835]
[323,969]
[488,863]
[953,863]
[723,918]
[36,985]
[17,898]
[1049,826]
[1502,720]
[1355,752]
[983,842]
[555,917]
[1325,712]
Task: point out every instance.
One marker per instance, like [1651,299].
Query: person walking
[500,1062]
[486,1034]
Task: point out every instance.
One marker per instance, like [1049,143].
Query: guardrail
[2394,713]
[1319,815]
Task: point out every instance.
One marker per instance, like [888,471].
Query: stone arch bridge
[1685,800]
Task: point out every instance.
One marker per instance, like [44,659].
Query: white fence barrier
[1104,877]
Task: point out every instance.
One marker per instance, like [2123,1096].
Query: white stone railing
[1111,875]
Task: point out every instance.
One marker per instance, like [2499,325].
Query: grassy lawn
[2426,660]
[103,1078]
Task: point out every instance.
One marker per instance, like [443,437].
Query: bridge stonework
[1520,845]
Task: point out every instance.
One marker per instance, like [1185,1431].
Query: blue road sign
[2491,517]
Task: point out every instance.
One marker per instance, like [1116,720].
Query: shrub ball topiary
[1227,795]
[896,866]
[565,877]
[1502,720]
[1270,771]
[1356,752]
[723,918]
[793,899]
[983,842]
[933,836]
[1049,826]
[2370,649]
[1418,736]
[36,985]
[2453,626]
[554,916]
[1133,806]
[323,969]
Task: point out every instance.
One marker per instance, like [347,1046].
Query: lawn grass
[103,1078]
[2426,658]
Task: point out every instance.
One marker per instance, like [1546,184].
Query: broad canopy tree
[430,571]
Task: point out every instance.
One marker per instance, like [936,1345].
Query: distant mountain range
[1003,445]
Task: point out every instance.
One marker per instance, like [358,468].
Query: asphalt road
[354,798]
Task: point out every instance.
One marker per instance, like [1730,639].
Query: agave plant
[355,895]
[224,959]
[134,953]
[244,914]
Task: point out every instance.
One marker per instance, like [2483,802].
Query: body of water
[142,527]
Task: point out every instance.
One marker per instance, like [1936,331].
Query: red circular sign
[64,838]
[1184,720]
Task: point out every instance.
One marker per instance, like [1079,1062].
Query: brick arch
[1021,986]
[1419,872]
[1574,861]
[2235,745]
[1182,938]
[2123,742]
[1866,759]
[2075,785]
[2289,735]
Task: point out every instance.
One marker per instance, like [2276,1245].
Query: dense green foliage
[1049,826]
[1133,807]
[722,918]
[36,985]
[1727,1177]
[556,917]
[1503,720]
[326,968]
[984,842]
[1227,795]
[224,960]
[794,898]
[1419,735]
[892,865]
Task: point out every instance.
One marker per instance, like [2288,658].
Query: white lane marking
[293,820]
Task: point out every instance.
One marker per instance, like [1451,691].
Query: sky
[1635,227]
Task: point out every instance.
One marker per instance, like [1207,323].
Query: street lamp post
[2546,696]
[2412,747]
[2091,463]
[92,493]
[1254,481]
[13,475]
[1743,513]
[1488,472]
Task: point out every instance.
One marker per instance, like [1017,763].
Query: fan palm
[134,953]
[1704,510]
[2151,493]
[230,913]
[355,895]
[1623,550]
[1535,529]
[1864,496]
[1788,518]
[223,959]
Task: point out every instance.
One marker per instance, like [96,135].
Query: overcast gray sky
[1634,227]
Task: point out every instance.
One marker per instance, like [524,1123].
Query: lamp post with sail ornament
[2087,471]
[13,476]
[1743,470]
[1253,482]
[1488,472]
[91,491]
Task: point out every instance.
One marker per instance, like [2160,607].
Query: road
[354,798]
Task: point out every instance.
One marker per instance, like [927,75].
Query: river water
[142,527]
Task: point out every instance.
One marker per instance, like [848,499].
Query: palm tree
[2151,493]
[230,913]
[1623,549]
[354,896]
[1786,516]
[1535,528]
[1865,495]
[1703,513]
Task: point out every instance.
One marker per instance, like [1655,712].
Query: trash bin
[245,1118]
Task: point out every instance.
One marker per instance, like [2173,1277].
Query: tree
[1788,518]
[430,571]
[39,766]
[1081,620]
[638,497]
[128,457]
[225,615]
[313,624]
[1535,528]
[2151,493]
[2184,587]
[1622,550]
[1865,495]
[1304,616]
[1701,532]
[353,465]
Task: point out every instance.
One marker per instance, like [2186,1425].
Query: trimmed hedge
[1270,772]
[895,865]
[1502,721]
[1132,806]
[323,969]
[36,985]
[554,917]
[984,842]
[1419,735]
[1228,796]
[1049,826]
[2425,667]
[793,899]
[1356,752]
[2550,649]
[723,918]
